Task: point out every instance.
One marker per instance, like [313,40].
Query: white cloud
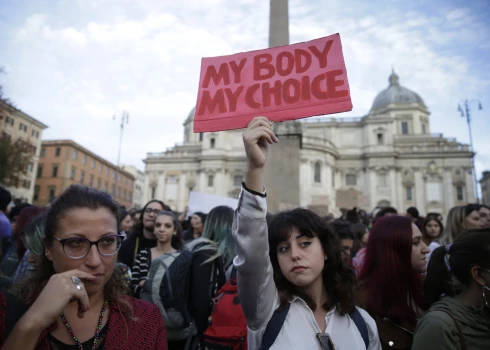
[80,62]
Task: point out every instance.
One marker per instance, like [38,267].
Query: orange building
[64,162]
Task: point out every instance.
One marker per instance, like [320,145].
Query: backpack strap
[462,340]
[136,246]
[274,327]
[361,325]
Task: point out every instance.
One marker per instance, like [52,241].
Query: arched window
[318,173]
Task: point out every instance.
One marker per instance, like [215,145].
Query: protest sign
[281,83]
[205,202]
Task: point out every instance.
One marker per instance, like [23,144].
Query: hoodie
[436,330]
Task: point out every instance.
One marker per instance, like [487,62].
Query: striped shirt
[140,269]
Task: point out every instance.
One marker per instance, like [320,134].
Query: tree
[15,155]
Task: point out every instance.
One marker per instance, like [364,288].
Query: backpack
[228,327]
[167,286]
[276,322]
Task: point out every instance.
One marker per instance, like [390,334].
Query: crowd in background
[419,281]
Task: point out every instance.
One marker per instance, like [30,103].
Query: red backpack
[228,327]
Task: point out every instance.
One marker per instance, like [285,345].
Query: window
[237,180]
[9,121]
[84,159]
[457,172]
[57,152]
[52,193]
[130,196]
[40,170]
[350,180]
[82,177]
[212,143]
[459,193]
[405,128]
[100,168]
[107,171]
[98,183]
[106,186]
[73,172]
[26,184]
[210,180]
[119,192]
[23,127]
[153,190]
[43,152]
[318,173]
[75,154]
[113,189]
[36,192]
[124,194]
[423,128]
[55,170]
[30,167]
[409,193]
[380,139]
[114,174]
[35,134]
[93,164]
[91,181]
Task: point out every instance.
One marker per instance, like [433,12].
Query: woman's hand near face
[256,140]
[56,295]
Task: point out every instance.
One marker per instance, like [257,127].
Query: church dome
[395,93]
[190,117]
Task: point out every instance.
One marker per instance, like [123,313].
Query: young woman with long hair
[432,229]
[459,219]
[169,240]
[294,267]
[458,285]
[391,281]
[76,298]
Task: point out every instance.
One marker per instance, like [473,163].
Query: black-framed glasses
[154,211]
[78,247]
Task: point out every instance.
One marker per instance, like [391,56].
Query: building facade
[139,185]
[387,158]
[485,187]
[17,125]
[64,162]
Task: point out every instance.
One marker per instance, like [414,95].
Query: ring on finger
[77,282]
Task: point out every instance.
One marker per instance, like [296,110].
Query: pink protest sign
[282,83]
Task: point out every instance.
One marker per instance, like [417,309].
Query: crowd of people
[85,273]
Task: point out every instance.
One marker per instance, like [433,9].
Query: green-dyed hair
[218,228]
[34,235]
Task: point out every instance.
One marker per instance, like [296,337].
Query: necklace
[97,330]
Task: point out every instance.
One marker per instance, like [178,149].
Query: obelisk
[279,23]
[283,164]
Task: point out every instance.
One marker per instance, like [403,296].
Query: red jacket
[145,332]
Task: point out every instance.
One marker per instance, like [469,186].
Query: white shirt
[258,293]
[432,246]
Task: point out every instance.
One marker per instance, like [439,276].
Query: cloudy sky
[73,64]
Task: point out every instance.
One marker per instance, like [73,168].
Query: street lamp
[465,112]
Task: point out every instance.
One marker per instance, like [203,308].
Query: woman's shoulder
[143,309]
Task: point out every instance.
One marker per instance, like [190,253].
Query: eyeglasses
[78,247]
[154,211]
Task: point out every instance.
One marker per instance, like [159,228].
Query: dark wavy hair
[387,273]
[76,197]
[176,240]
[449,270]
[338,278]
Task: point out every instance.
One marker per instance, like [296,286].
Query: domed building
[386,158]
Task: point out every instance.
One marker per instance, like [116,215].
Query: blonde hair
[454,225]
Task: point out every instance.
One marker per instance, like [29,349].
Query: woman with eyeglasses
[75,299]
[295,289]
[458,285]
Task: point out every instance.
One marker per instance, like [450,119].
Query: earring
[325,257]
[485,296]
